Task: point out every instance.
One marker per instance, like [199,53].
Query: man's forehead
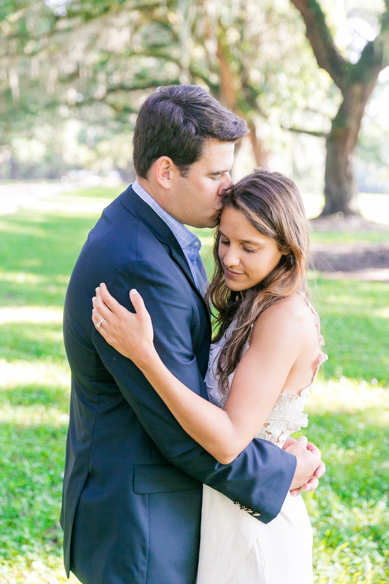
[219,155]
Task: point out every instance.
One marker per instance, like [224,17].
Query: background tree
[96,61]
[356,82]
[83,68]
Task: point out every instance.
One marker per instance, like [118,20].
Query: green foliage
[96,61]
[348,417]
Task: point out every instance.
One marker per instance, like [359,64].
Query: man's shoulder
[122,236]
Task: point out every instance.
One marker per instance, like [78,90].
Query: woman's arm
[258,380]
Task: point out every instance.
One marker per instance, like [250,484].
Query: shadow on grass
[44,292]
[348,505]
[355,326]
[36,269]
[354,447]
[30,488]
[34,394]
[30,341]
[349,508]
[356,347]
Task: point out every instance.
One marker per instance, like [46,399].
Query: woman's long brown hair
[273,205]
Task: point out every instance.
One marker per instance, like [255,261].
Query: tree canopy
[94,62]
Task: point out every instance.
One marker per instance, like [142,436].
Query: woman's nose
[231,258]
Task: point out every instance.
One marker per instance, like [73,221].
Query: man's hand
[310,468]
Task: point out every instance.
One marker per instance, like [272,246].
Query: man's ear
[164,170]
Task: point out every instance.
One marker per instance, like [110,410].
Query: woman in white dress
[263,361]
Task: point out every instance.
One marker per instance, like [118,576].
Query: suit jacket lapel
[136,206]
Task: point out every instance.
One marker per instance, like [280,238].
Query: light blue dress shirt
[188,241]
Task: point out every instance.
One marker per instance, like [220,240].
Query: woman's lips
[231,274]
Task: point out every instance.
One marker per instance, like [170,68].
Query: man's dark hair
[175,121]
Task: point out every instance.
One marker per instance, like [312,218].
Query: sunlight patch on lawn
[37,314]
[381,312]
[374,207]
[27,277]
[35,570]
[344,300]
[72,205]
[347,395]
[36,415]
[25,373]
[22,278]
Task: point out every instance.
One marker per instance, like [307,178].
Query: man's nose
[225,183]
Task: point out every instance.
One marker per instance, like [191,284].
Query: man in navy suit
[133,479]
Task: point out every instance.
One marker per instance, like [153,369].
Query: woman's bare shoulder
[292,309]
[290,317]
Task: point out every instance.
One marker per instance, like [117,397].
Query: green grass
[328,237]
[350,514]
[355,324]
[348,411]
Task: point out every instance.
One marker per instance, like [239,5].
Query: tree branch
[148,84]
[303,131]
[327,55]
[194,68]
[373,59]
[381,46]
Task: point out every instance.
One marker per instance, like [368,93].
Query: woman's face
[246,255]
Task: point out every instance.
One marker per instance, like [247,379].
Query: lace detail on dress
[287,415]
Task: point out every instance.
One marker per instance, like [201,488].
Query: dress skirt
[236,548]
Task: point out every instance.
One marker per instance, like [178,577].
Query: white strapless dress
[235,547]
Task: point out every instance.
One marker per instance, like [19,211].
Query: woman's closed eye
[224,241]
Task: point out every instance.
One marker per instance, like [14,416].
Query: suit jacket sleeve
[259,478]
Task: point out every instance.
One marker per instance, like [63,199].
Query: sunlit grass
[348,409]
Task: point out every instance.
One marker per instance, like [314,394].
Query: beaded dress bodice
[287,415]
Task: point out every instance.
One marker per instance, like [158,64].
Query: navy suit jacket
[133,479]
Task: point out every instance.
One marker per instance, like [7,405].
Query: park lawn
[348,410]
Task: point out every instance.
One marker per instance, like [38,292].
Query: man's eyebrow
[218,172]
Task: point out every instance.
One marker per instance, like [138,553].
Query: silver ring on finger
[98,325]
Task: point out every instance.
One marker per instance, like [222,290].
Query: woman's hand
[130,334]
[313,483]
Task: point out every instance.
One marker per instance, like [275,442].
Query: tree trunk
[260,154]
[228,81]
[356,82]
[14,168]
[230,84]
[340,189]
[340,186]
